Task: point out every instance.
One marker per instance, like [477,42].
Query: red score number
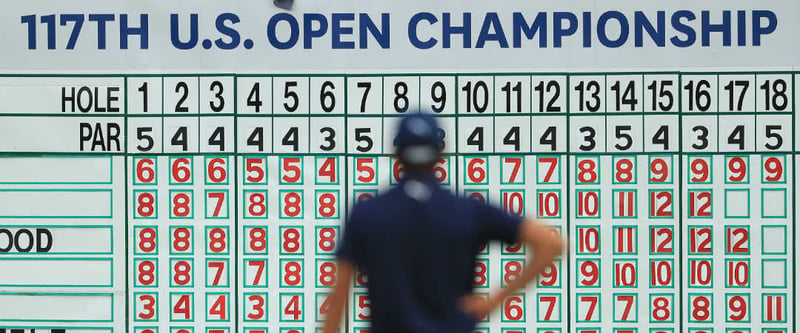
[546,170]
[661,170]
[700,169]
[588,272]
[145,171]
[181,240]
[514,307]
[624,170]
[146,306]
[326,273]
[772,170]
[587,171]
[217,240]
[736,171]
[181,170]
[255,203]
[661,240]
[365,171]
[476,170]
[146,240]
[326,170]
[511,167]
[145,204]
[291,170]
[217,170]
[255,170]
[326,239]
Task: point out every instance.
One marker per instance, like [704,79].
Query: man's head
[419,141]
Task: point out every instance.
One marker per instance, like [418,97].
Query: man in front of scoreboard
[418,243]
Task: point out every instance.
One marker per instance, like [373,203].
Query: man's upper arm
[499,225]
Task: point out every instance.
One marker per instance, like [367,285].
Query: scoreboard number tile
[699,133]
[216,95]
[327,135]
[588,134]
[217,307]
[548,307]
[327,95]
[145,307]
[661,93]
[253,95]
[364,95]
[400,94]
[624,307]
[587,94]
[512,134]
[290,95]
[217,273]
[256,307]
[180,95]
[475,94]
[145,135]
[290,135]
[255,273]
[438,94]
[624,93]
[181,135]
[365,136]
[549,134]
[254,134]
[216,134]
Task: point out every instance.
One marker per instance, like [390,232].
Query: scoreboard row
[467,94]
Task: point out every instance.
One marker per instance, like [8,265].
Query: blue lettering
[521,26]
[227,31]
[641,23]
[678,25]
[707,28]
[741,33]
[587,29]
[338,30]
[101,20]
[491,23]
[309,33]
[559,31]
[175,35]
[759,29]
[412,30]
[367,25]
[294,31]
[448,30]
[623,29]
[126,31]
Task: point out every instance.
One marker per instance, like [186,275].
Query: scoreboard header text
[424,30]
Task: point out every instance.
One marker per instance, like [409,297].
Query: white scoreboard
[185,167]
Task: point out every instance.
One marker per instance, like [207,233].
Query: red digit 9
[773,169]
[699,170]
[659,170]
[737,169]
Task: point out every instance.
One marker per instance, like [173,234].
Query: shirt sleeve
[349,242]
[499,225]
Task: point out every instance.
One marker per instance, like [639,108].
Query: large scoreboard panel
[186,170]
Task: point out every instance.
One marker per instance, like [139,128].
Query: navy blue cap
[419,138]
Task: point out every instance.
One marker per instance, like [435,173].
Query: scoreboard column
[591,204]
[62,213]
[257,205]
[546,173]
[182,221]
[660,198]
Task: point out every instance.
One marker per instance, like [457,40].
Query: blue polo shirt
[418,244]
